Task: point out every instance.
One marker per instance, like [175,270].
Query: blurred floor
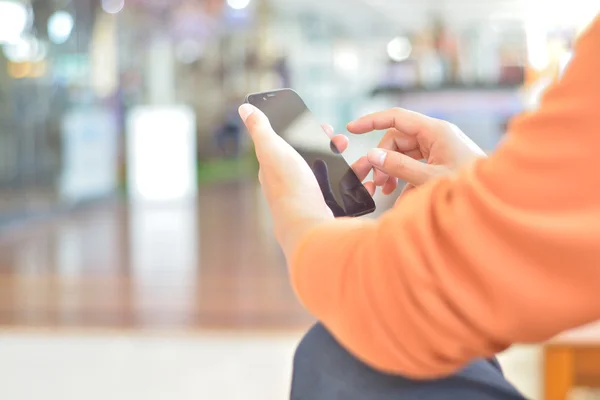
[179,267]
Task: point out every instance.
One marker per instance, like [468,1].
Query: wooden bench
[571,361]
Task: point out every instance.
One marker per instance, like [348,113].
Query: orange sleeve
[507,251]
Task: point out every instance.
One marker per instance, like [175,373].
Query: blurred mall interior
[136,253]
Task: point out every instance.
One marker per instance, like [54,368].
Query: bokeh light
[113,6]
[13,21]
[60,27]
[399,49]
[238,4]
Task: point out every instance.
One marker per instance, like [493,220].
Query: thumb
[267,143]
[401,166]
[257,123]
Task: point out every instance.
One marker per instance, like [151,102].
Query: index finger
[406,121]
[340,142]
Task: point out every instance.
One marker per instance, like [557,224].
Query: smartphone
[343,192]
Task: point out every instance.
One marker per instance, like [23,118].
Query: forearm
[440,280]
[303,221]
[390,293]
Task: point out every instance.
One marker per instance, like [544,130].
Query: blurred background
[136,254]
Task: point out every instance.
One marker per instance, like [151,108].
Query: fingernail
[377,157]
[245,111]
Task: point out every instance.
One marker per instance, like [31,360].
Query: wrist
[292,230]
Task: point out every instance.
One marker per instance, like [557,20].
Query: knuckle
[399,161]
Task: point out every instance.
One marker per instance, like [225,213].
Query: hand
[290,187]
[410,138]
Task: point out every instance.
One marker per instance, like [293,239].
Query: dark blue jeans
[323,370]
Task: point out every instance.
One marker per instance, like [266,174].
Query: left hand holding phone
[290,187]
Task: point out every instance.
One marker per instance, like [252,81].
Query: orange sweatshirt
[507,251]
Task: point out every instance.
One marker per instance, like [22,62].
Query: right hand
[410,138]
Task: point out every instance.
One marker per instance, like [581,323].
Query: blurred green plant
[222,170]
[216,170]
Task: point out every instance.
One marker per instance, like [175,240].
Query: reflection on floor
[157,302]
[208,265]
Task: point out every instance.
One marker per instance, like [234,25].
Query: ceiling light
[14,17]
[19,51]
[60,27]
[346,60]
[537,47]
[25,49]
[238,4]
[399,49]
[113,6]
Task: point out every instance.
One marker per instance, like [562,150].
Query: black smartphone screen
[290,118]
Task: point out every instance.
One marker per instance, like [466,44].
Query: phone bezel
[269,94]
